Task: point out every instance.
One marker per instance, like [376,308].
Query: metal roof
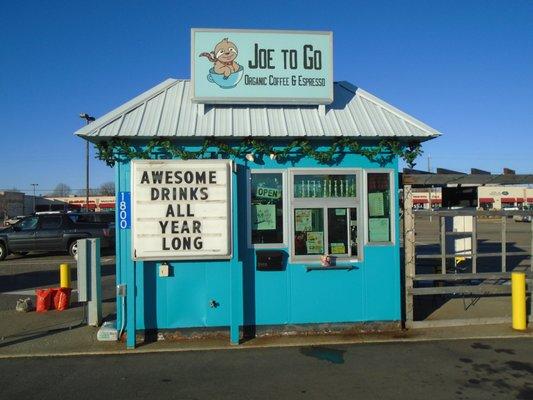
[167,111]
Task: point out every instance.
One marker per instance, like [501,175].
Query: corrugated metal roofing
[167,111]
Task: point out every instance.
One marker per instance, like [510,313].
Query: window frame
[284,203]
[392,205]
[28,218]
[45,217]
[325,204]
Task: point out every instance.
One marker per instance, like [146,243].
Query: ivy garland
[119,150]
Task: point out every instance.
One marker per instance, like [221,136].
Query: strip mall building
[499,197]
[230,195]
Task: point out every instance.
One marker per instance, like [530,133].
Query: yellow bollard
[518,282]
[64,276]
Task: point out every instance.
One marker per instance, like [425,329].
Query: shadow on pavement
[21,338]
[25,280]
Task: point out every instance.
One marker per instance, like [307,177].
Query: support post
[504,243]
[409,252]
[130,308]
[443,245]
[94,312]
[518,282]
[236,300]
[89,279]
[474,244]
[64,276]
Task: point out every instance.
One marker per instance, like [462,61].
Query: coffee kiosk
[260,193]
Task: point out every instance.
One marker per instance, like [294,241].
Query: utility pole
[88,119]
[430,190]
[34,186]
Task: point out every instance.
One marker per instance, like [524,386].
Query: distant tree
[107,189]
[62,190]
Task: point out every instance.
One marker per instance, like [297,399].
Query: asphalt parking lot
[518,238]
[21,275]
[462,370]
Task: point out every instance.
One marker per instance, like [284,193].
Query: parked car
[52,232]
[91,217]
[523,218]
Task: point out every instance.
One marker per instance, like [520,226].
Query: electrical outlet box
[164,270]
[121,290]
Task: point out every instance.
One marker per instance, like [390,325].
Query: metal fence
[451,280]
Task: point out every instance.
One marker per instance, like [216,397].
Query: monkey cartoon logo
[226,73]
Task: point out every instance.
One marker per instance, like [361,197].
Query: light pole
[88,119]
[34,186]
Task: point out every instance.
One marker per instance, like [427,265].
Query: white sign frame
[229,189]
[270,100]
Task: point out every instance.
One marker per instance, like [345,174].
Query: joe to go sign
[123,207]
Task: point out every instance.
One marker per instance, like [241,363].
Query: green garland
[120,150]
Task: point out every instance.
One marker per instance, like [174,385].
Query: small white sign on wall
[181,209]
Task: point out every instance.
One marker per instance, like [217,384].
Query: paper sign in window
[338,248]
[315,242]
[264,217]
[376,204]
[303,220]
[378,230]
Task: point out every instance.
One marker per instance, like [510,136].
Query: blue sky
[463,67]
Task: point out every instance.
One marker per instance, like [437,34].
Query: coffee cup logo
[225,73]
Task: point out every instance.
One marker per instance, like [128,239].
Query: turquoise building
[303,182]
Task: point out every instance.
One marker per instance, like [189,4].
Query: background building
[11,204]
[498,197]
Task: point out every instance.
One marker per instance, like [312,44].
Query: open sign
[267,193]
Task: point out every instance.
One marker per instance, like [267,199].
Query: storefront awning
[508,199]
[436,201]
[486,200]
[530,199]
[107,205]
[420,201]
[519,199]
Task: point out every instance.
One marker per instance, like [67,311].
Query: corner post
[409,252]
[130,308]
[236,300]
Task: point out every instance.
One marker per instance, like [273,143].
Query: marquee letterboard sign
[181,209]
[261,67]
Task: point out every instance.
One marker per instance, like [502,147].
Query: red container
[43,300]
[62,298]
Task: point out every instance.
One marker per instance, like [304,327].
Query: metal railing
[462,282]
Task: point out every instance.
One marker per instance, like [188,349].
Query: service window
[325,207]
[379,207]
[267,209]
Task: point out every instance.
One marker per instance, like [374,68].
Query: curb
[528,335]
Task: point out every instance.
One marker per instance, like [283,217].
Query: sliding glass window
[325,208]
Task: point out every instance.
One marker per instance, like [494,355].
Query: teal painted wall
[291,296]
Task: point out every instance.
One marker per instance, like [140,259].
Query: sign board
[181,209]
[267,193]
[124,210]
[261,67]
